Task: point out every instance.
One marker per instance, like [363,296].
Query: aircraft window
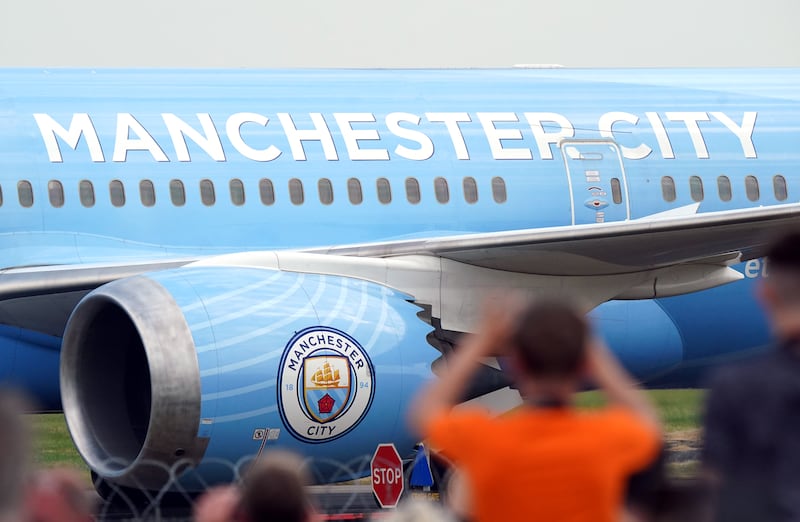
[1,196]
[384,190]
[616,191]
[147,193]
[117,191]
[498,189]
[412,190]
[86,193]
[325,189]
[668,188]
[779,186]
[267,191]
[696,188]
[207,195]
[177,193]
[25,193]
[354,191]
[55,191]
[237,192]
[470,190]
[751,188]
[724,188]
[296,191]
[441,189]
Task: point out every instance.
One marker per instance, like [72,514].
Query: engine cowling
[190,368]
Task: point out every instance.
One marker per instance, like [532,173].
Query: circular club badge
[325,384]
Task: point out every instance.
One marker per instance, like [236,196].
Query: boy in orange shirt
[545,461]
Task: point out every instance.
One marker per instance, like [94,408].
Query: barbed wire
[337,495]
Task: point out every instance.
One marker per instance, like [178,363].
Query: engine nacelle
[642,336]
[205,365]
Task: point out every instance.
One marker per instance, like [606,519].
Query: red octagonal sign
[387,475]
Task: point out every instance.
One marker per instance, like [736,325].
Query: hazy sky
[407,33]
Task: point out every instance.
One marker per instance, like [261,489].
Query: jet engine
[175,377]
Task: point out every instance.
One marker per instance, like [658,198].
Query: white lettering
[233,128]
[425,150]
[352,136]
[752,268]
[495,136]
[81,125]
[179,130]
[451,121]
[690,119]
[246,133]
[744,131]
[319,133]
[545,139]
[144,141]
[387,476]
[606,125]
[661,135]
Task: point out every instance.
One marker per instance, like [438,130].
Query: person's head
[57,495]
[779,290]
[14,460]
[274,488]
[550,340]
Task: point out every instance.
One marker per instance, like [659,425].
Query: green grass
[52,443]
[680,411]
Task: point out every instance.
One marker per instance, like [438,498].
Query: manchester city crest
[325,384]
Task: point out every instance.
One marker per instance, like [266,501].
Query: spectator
[752,420]
[14,462]
[57,495]
[545,461]
[218,504]
[275,488]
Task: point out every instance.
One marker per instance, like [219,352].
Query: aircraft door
[597,184]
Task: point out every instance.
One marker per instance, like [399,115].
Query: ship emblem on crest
[326,384]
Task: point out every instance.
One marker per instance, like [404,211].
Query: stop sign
[387,475]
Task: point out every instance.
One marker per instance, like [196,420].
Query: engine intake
[206,367]
[130,383]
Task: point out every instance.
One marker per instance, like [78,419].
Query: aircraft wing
[603,261]
[49,279]
[604,248]
[40,298]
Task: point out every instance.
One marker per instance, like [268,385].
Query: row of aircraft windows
[266,189]
[724,188]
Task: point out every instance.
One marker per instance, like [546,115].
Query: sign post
[387,475]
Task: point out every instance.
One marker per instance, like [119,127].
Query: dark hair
[551,339]
[783,263]
[274,489]
[784,253]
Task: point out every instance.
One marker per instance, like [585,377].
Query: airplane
[218,262]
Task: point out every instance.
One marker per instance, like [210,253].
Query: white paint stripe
[239,391]
[269,303]
[378,329]
[233,293]
[246,414]
[261,331]
[241,364]
[334,313]
[359,318]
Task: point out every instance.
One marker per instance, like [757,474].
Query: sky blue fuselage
[120,165]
